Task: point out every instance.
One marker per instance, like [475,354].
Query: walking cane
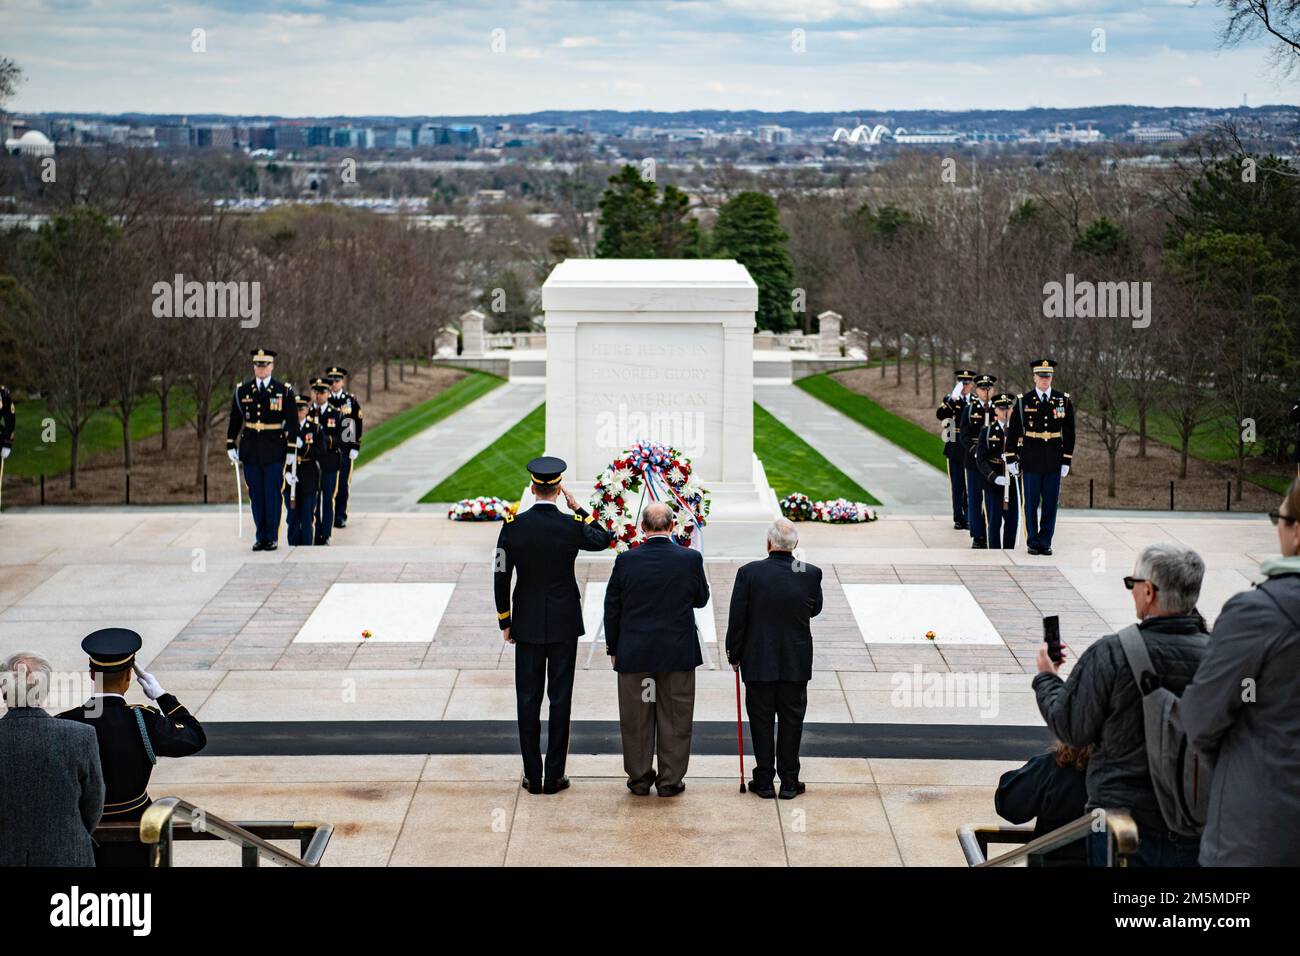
[239,498]
[740,737]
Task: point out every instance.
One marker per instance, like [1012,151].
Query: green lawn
[791,464]
[794,465]
[498,469]
[911,438]
[396,429]
[103,433]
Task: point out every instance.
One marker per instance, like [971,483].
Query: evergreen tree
[749,230]
[629,217]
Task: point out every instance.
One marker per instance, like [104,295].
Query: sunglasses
[1276,515]
[1129,581]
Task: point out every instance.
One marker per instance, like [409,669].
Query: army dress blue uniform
[131,738]
[973,419]
[1040,444]
[8,419]
[350,428]
[300,499]
[949,412]
[539,548]
[262,430]
[1003,521]
[330,442]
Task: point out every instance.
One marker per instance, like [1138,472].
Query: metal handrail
[156,829]
[1121,839]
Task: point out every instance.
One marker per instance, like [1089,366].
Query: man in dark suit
[51,788]
[131,736]
[540,546]
[651,639]
[769,641]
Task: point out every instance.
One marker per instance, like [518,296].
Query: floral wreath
[480,509]
[655,471]
[797,507]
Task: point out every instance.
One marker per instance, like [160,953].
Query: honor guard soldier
[302,482]
[1040,445]
[974,417]
[260,437]
[131,736]
[954,403]
[544,623]
[1295,420]
[8,422]
[330,443]
[349,435]
[1001,500]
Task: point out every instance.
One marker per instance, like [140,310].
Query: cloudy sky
[409,57]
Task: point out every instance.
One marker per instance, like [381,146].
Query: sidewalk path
[904,483]
[396,480]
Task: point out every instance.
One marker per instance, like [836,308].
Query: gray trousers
[656,712]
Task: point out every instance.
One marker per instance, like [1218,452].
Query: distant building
[31,143]
[173,137]
[262,137]
[214,137]
[290,136]
[775,134]
[1154,134]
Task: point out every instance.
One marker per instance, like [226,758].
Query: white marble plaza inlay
[392,613]
[903,613]
[593,616]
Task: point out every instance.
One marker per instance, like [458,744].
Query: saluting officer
[263,421]
[540,547]
[331,457]
[973,419]
[131,736]
[350,438]
[301,489]
[949,412]
[1001,497]
[1040,442]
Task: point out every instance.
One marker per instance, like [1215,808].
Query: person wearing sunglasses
[1244,705]
[1101,705]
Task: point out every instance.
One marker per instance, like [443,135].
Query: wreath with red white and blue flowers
[649,471]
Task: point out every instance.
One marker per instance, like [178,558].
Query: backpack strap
[1285,613]
[1139,661]
[144,735]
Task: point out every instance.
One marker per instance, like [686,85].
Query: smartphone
[1052,636]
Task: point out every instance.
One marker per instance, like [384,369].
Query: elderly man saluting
[650,636]
[769,640]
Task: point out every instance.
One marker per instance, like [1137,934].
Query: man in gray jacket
[1244,705]
[1100,704]
[51,787]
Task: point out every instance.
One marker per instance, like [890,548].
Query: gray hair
[657,516]
[1176,572]
[25,680]
[782,535]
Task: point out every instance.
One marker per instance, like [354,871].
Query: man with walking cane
[769,641]
[1001,496]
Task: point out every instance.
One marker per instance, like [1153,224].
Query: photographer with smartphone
[1100,704]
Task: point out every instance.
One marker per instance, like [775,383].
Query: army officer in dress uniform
[8,422]
[329,442]
[954,403]
[131,736]
[544,623]
[349,437]
[261,435]
[974,417]
[1001,497]
[302,483]
[1040,444]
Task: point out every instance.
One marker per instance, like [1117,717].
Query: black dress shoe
[341,523]
[556,786]
[671,791]
[639,789]
[1034,551]
[526,784]
[763,790]
[258,546]
[1044,550]
[322,542]
[959,526]
[979,545]
[270,546]
[790,791]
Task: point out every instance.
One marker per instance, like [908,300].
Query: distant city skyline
[420,58]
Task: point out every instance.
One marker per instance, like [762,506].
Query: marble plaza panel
[391,613]
[905,613]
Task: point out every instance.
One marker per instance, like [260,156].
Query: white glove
[1065,470]
[956,391]
[234,455]
[352,455]
[4,452]
[1013,468]
[149,684]
[288,460]
[290,479]
[297,443]
[1000,481]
